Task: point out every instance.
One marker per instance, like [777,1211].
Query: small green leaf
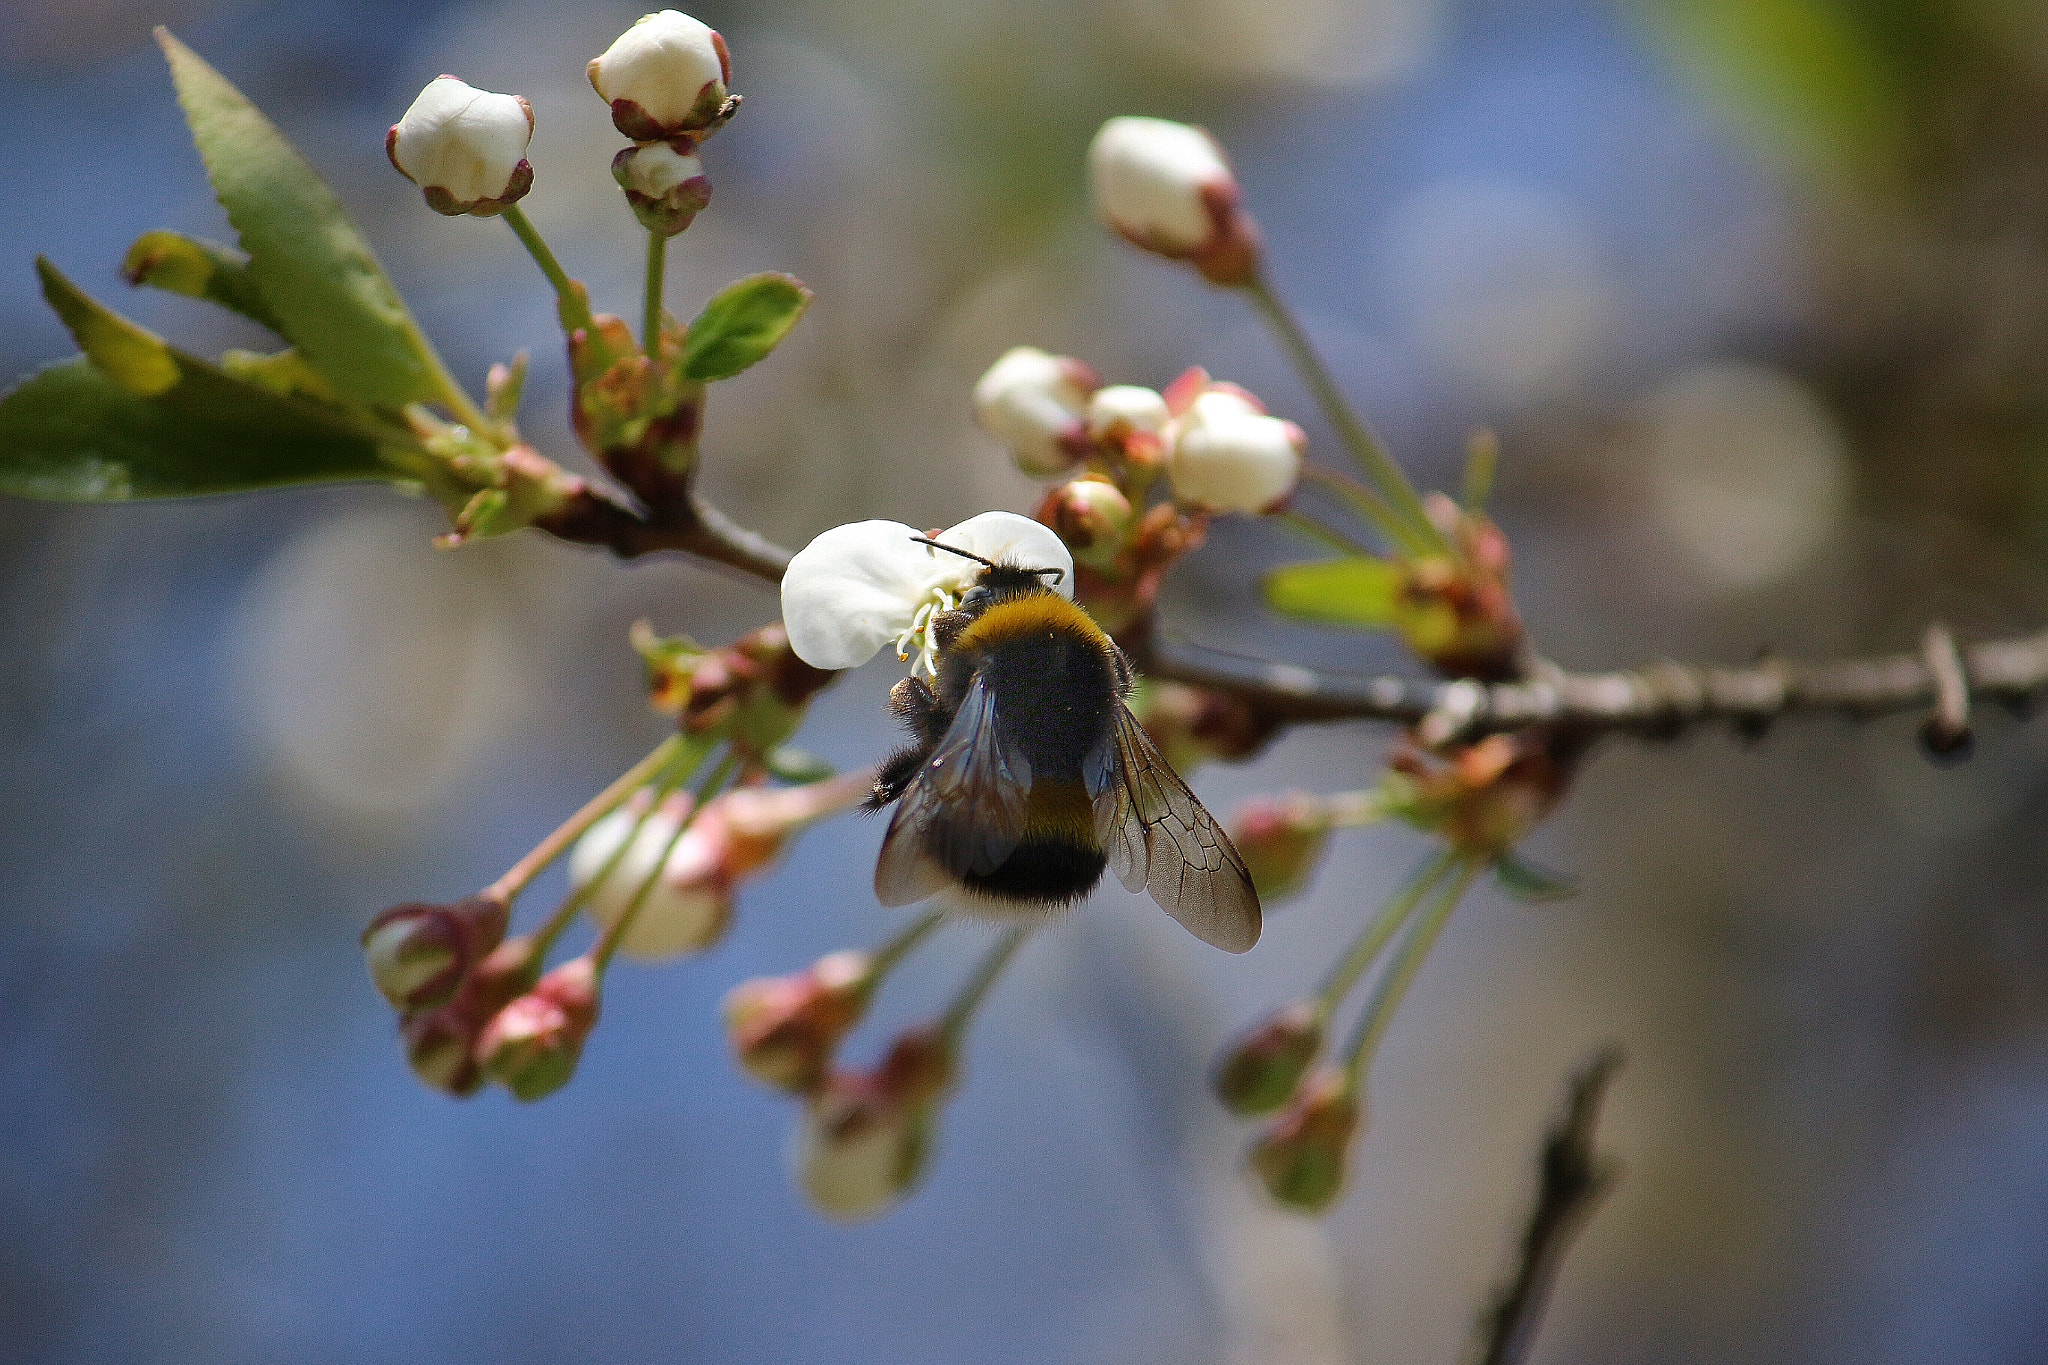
[742,323]
[200,270]
[1360,592]
[1526,882]
[311,266]
[133,357]
[71,433]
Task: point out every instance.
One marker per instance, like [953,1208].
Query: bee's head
[997,582]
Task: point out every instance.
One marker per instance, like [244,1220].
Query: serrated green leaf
[742,323]
[1527,882]
[314,271]
[198,269]
[1360,592]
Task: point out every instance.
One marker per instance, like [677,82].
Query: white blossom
[1166,187]
[465,148]
[666,188]
[1122,409]
[689,902]
[665,75]
[1229,456]
[1036,403]
[868,584]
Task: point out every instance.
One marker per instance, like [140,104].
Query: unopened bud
[688,898]
[419,953]
[1302,1157]
[465,148]
[1227,455]
[1037,404]
[866,1138]
[1257,1073]
[1089,514]
[665,185]
[1165,187]
[784,1029]
[532,1045]
[666,75]
[440,1043]
[1281,839]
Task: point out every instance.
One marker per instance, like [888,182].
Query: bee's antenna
[953,549]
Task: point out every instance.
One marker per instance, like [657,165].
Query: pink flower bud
[465,148]
[1257,1073]
[1036,404]
[664,184]
[419,953]
[532,1045]
[784,1029]
[1166,188]
[665,75]
[865,1139]
[1089,514]
[1281,839]
[440,1044]
[1228,456]
[1302,1157]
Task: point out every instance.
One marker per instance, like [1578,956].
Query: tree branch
[691,526]
[1573,1180]
[1657,700]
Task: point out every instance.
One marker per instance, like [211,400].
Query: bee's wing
[1159,837]
[963,812]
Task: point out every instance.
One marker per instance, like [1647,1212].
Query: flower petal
[1005,538]
[855,588]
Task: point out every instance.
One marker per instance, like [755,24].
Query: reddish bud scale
[1485,796]
[1302,1158]
[1257,1073]
[419,954]
[532,1045]
[1460,616]
[440,1044]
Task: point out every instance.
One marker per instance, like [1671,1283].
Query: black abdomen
[1044,870]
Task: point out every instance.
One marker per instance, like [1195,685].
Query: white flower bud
[1121,409]
[1036,404]
[1165,187]
[666,188]
[1230,457]
[665,75]
[465,148]
[690,902]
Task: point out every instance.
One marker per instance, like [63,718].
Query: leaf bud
[418,954]
[664,183]
[465,148]
[1281,839]
[1090,514]
[784,1029]
[1036,403]
[1165,187]
[866,1138]
[665,75]
[1256,1074]
[1303,1155]
[532,1045]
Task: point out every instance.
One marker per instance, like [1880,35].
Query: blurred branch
[1573,1180]
[1656,700]
[689,525]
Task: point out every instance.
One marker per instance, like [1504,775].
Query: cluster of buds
[1166,188]
[1480,798]
[1459,614]
[752,692]
[465,148]
[667,80]
[676,876]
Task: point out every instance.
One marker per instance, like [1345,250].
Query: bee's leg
[946,628]
[1122,675]
[917,706]
[893,778]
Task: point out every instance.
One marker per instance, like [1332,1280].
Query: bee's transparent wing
[1159,838]
[963,812]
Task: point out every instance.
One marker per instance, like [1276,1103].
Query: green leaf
[1526,882]
[1359,592]
[312,267]
[200,270]
[133,357]
[742,323]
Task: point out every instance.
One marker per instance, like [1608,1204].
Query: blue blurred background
[1754,292]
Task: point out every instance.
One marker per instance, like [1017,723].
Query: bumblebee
[1028,776]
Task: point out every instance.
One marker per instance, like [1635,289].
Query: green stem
[1373,508]
[572,306]
[1408,959]
[1372,456]
[1323,535]
[896,949]
[650,327]
[608,944]
[515,880]
[1371,940]
[953,1025]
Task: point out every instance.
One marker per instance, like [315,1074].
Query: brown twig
[692,526]
[1573,1178]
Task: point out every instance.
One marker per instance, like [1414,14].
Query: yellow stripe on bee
[1035,614]
[1060,809]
